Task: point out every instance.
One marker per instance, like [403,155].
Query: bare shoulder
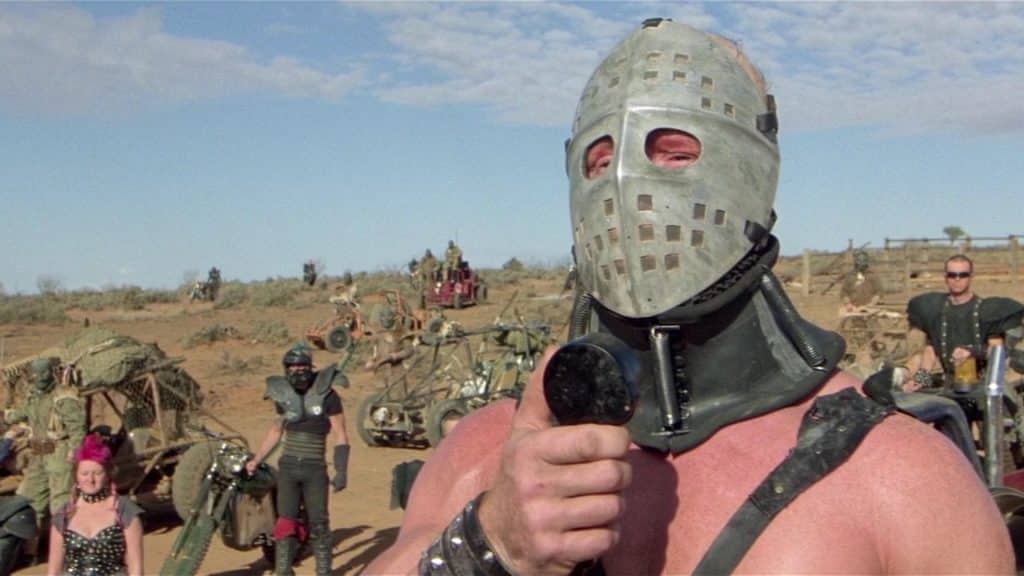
[931,510]
[462,466]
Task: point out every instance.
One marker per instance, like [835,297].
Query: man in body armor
[309,272]
[673,165]
[311,418]
[452,260]
[427,268]
[55,415]
[212,283]
[959,327]
[861,289]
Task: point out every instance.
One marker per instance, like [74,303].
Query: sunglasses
[958,275]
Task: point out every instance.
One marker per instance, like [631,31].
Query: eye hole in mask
[598,157]
[672,148]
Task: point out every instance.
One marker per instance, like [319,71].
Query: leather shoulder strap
[830,432]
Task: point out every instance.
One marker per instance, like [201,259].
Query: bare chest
[677,506]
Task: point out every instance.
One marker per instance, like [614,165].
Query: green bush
[274,294]
[231,296]
[32,310]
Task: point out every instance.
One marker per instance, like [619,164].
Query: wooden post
[906,268]
[1014,258]
[806,272]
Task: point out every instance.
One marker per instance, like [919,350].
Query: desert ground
[362,522]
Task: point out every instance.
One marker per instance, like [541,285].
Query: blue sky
[145,142]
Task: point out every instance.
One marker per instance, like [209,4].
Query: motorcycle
[17,525]
[229,500]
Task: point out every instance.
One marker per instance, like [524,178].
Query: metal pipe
[995,379]
[666,386]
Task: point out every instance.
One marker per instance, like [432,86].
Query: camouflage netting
[105,358]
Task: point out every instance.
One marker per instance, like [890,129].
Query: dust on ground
[362,522]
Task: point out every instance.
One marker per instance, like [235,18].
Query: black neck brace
[749,356]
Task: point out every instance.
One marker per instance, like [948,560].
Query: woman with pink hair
[97,533]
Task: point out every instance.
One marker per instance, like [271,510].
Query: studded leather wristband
[923,377]
[462,549]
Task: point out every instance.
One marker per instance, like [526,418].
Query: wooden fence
[908,264]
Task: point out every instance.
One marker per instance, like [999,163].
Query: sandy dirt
[362,523]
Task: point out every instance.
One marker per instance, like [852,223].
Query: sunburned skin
[665,147]
[906,501]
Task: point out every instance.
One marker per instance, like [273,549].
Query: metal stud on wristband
[923,377]
[462,549]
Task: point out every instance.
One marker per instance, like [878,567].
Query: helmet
[298,355]
[42,373]
[648,238]
[861,260]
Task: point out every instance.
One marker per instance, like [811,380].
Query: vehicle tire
[441,414]
[338,339]
[363,421]
[1010,503]
[267,548]
[190,555]
[188,475]
[10,552]
[481,293]
[457,301]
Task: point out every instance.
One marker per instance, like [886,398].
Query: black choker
[100,496]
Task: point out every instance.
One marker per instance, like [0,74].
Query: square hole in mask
[613,235]
[620,266]
[699,210]
[648,263]
[671,261]
[609,207]
[719,217]
[673,233]
[697,238]
[646,232]
[644,203]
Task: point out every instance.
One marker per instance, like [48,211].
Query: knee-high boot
[284,556]
[320,537]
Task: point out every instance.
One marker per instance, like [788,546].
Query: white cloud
[914,67]
[62,60]
[527,62]
[906,67]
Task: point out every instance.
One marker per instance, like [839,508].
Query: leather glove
[340,480]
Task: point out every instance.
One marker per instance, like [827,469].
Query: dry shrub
[275,294]
[211,334]
[231,296]
[270,332]
[228,364]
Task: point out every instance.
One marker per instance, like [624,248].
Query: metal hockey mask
[646,237]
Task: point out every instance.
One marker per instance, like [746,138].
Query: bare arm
[273,436]
[338,429]
[461,467]
[133,548]
[55,561]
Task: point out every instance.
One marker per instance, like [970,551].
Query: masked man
[673,165]
[56,416]
[310,417]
